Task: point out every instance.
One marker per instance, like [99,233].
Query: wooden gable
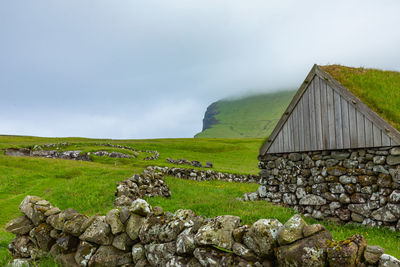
[323,115]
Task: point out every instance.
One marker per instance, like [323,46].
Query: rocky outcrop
[141,235]
[358,185]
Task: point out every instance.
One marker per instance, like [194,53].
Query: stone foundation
[140,235]
[360,185]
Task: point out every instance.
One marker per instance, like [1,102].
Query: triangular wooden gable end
[324,115]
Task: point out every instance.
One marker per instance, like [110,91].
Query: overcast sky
[149,69]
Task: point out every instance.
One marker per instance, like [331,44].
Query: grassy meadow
[89,186]
[378,89]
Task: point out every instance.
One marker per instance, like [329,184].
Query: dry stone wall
[361,186]
[140,235]
[204,175]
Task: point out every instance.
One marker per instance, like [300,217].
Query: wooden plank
[311,110]
[369,136]
[353,127]
[385,139]
[377,136]
[306,121]
[360,129]
[291,133]
[317,111]
[345,123]
[324,115]
[338,120]
[296,130]
[301,125]
[286,137]
[331,118]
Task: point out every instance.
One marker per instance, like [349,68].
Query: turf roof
[378,89]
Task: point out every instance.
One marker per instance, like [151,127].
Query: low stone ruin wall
[204,175]
[361,186]
[148,184]
[145,236]
[194,163]
[71,155]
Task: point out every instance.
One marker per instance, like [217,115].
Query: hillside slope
[252,116]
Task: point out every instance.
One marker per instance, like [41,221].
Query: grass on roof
[378,89]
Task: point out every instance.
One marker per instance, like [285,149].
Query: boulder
[58,220]
[261,237]
[19,226]
[185,243]
[347,252]
[110,256]
[179,221]
[291,231]
[310,251]
[218,231]
[98,232]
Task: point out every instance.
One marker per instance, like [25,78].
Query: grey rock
[159,254]
[340,155]
[291,231]
[395,196]
[138,253]
[218,231]
[242,251]
[84,252]
[33,211]
[294,156]
[372,254]
[122,242]
[113,219]
[379,160]
[73,226]
[20,263]
[110,256]
[213,257]
[304,252]
[40,235]
[262,191]
[140,207]
[98,232]
[309,230]
[261,237]
[312,200]
[185,243]
[395,151]
[135,222]
[20,225]
[393,160]
[388,261]
[384,214]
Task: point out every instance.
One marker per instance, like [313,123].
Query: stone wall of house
[359,185]
[141,235]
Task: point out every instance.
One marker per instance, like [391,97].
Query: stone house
[333,156]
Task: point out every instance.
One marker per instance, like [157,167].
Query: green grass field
[378,89]
[89,186]
[248,117]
